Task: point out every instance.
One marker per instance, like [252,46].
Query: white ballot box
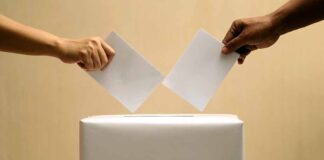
[161,137]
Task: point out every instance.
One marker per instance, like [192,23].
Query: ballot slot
[136,116]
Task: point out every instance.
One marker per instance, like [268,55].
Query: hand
[246,35]
[90,53]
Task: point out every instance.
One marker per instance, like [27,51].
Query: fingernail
[224,50]
[240,61]
[224,42]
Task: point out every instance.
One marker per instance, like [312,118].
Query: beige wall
[279,92]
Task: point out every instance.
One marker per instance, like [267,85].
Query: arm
[89,53]
[246,35]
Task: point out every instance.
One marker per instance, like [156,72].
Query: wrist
[277,20]
[60,48]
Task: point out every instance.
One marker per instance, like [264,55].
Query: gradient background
[278,92]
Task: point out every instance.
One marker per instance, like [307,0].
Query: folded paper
[200,71]
[129,77]
[161,137]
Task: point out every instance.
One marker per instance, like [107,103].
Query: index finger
[233,31]
[110,52]
[107,48]
[229,36]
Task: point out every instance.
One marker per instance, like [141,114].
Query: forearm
[297,14]
[18,38]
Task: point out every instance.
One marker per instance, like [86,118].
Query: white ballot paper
[200,71]
[161,137]
[129,77]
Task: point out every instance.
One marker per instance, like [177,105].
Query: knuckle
[95,40]
[90,50]
[242,37]
[84,53]
[237,21]
[245,36]
[90,45]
